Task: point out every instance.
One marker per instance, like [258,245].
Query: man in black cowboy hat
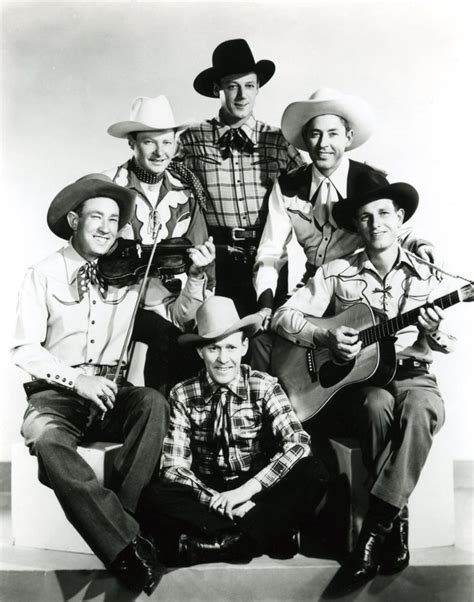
[71,327]
[236,477]
[236,158]
[395,423]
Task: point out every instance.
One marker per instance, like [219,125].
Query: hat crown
[232,52]
[152,112]
[322,94]
[216,314]
[367,182]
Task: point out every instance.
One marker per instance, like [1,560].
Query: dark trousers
[167,363]
[58,420]
[395,426]
[170,509]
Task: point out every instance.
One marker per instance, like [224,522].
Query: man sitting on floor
[236,475]
[395,423]
[69,335]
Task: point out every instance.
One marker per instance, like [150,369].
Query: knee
[152,403]
[423,411]
[378,405]
[40,439]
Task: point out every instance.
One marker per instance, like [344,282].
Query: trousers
[171,509]
[57,421]
[394,425]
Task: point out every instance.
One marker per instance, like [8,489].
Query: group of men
[217,466]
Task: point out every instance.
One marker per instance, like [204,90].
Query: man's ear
[349,137]
[72,220]
[401,215]
[245,345]
[131,142]
[199,352]
[216,89]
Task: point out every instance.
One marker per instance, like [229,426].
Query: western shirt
[56,331]
[266,438]
[341,283]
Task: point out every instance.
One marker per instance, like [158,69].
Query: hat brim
[73,195]
[354,110]
[248,325]
[403,194]
[123,128]
[204,82]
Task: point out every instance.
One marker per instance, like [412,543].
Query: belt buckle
[235,235]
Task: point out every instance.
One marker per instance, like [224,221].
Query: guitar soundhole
[331,374]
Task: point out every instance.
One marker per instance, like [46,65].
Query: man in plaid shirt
[237,478]
[237,158]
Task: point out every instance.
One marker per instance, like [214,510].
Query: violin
[127,261]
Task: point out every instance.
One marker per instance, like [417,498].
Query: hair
[344,122]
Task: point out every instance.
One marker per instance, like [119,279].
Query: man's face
[223,358]
[378,223]
[326,140]
[238,94]
[94,227]
[154,150]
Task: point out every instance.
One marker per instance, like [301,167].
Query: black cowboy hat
[369,187]
[232,56]
[88,187]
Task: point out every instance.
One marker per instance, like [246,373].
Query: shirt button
[90,361]
[64,380]
[94,301]
[48,375]
[93,322]
[92,341]
[70,382]
[57,376]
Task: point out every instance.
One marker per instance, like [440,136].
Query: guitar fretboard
[390,327]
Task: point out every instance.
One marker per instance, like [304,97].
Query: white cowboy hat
[147,114]
[217,318]
[327,101]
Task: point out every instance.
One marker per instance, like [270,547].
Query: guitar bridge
[311,365]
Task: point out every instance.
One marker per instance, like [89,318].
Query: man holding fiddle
[395,423]
[70,333]
[169,204]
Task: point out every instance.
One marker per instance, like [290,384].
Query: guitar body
[311,378]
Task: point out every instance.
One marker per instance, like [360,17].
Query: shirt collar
[73,262]
[338,178]
[364,262]
[249,128]
[239,386]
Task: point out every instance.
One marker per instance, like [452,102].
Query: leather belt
[235,235]
[411,363]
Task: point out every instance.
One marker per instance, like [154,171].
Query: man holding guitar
[390,397]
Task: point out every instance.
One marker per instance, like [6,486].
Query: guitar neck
[375,333]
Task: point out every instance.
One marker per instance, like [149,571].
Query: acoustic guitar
[311,377]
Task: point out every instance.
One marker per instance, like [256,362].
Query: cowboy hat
[232,56]
[217,318]
[146,115]
[327,101]
[369,187]
[88,187]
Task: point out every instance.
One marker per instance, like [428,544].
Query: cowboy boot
[227,547]
[395,553]
[138,567]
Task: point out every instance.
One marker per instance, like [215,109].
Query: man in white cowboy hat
[169,203]
[70,330]
[237,159]
[327,126]
[236,476]
[395,423]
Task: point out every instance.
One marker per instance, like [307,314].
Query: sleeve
[197,234]
[179,309]
[271,254]
[441,341]
[408,239]
[293,442]
[312,300]
[30,334]
[176,460]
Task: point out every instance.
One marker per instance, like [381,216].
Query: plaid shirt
[266,438]
[237,181]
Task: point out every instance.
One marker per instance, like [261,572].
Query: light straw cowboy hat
[327,101]
[217,318]
[146,115]
[88,187]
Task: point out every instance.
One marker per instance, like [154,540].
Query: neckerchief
[87,275]
[143,175]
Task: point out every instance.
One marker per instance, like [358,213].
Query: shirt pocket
[247,422]
[202,421]
[267,167]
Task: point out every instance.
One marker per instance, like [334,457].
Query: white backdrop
[70,69]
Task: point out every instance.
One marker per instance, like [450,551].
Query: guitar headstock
[466,293]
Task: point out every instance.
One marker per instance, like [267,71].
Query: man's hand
[430,319]
[201,256]
[428,253]
[226,502]
[266,314]
[240,511]
[98,389]
[343,342]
